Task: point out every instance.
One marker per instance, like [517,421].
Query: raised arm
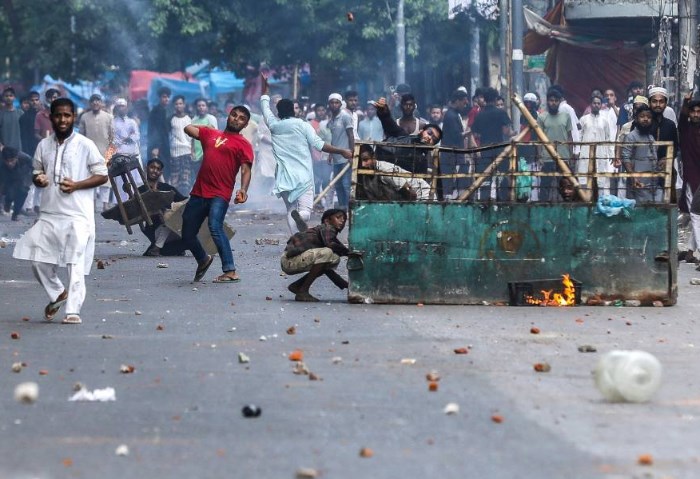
[192,131]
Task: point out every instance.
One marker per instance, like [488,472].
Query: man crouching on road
[316,251]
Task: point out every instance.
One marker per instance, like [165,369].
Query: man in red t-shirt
[225,152]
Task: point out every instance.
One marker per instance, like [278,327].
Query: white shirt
[595,128]
[65,231]
[575,133]
[180,143]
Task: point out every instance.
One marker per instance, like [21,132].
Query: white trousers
[694,237]
[33,197]
[47,275]
[304,205]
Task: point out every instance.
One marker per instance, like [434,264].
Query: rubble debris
[542,367]
[14,335]
[306,473]
[267,241]
[160,327]
[632,376]
[451,408]
[27,393]
[645,460]
[366,452]
[126,369]
[631,303]
[100,264]
[433,376]
[432,386]
[313,377]
[43,372]
[243,358]
[263,338]
[461,351]
[336,359]
[695,281]
[408,361]
[101,395]
[24,318]
[658,304]
[107,336]
[122,450]
[162,265]
[292,330]
[296,355]
[268,298]
[17,367]
[587,348]
[497,418]
[251,410]
[534,330]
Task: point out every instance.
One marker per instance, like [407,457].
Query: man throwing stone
[225,152]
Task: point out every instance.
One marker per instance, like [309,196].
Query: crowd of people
[196,151]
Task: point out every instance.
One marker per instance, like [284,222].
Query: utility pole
[517,52]
[400,45]
[687,33]
[474,55]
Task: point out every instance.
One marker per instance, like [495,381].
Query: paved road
[179,412]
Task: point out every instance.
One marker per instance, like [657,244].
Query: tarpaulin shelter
[583,57]
[140,81]
[79,93]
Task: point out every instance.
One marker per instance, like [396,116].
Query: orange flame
[566,298]
[111,150]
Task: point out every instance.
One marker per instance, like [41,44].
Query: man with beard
[453,137]
[595,128]
[225,152]
[664,129]
[415,160]
[557,126]
[68,167]
[639,155]
[689,130]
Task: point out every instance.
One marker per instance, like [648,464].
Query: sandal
[72,319]
[202,269]
[226,279]
[53,307]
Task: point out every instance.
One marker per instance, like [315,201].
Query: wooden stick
[583,195]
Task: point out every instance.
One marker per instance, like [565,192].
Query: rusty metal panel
[466,253]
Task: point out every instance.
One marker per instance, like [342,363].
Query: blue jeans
[342,187]
[196,211]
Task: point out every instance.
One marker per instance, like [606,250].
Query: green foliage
[167,35]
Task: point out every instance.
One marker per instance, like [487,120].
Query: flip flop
[226,279]
[53,307]
[202,269]
[72,319]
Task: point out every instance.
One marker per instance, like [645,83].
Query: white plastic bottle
[632,376]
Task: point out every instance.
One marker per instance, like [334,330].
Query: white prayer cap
[335,96]
[658,90]
[530,97]
[120,102]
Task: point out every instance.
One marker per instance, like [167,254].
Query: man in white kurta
[68,167]
[595,127]
[292,139]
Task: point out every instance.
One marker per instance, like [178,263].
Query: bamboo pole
[582,194]
[489,169]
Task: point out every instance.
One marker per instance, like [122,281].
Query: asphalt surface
[179,411]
